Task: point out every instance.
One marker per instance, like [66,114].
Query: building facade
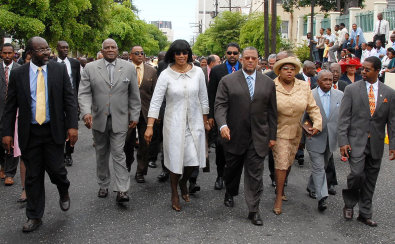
[166,28]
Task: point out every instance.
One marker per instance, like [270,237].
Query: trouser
[142,152]
[157,138]
[321,54]
[317,182]
[271,165]
[361,182]
[331,53]
[330,171]
[9,163]
[42,154]
[68,149]
[316,56]
[219,157]
[380,37]
[107,142]
[253,176]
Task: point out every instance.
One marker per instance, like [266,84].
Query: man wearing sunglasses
[231,65]
[146,80]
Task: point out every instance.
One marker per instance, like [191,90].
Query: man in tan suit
[146,80]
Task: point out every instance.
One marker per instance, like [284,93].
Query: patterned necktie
[40,98]
[6,75]
[378,31]
[110,68]
[138,69]
[372,101]
[309,81]
[250,86]
[335,86]
[233,69]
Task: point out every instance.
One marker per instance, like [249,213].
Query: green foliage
[302,52]
[326,5]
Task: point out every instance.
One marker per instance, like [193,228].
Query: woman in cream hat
[293,99]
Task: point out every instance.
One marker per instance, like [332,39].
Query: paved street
[148,217]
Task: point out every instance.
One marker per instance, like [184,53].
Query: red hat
[352,62]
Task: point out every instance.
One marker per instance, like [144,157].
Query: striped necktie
[233,69]
[250,86]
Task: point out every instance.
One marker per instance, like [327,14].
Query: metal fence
[305,28]
[365,20]
[345,18]
[326,23]
[389,15]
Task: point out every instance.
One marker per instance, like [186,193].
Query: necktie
[372,101]
[138,75]
[40,98]
[250,86]
[378,31]
[233,69]
[335,86]
[110,68]
[309,80]
[326,105]
[6,75]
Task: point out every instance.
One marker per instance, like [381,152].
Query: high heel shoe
[175,204]
[184,191]
[277,211]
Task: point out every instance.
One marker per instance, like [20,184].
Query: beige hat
[290,60]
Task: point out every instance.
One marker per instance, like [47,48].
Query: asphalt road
[148,217]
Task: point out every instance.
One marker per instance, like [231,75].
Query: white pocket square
[126,80]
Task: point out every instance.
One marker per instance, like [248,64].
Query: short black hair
[210,59]
[233,44]
[375,61]
[342,24]
[391,50]
[329,29]
[371,44]
[7,45]
[337,26]
[178,46]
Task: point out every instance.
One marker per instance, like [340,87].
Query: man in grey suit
[321,146]
[8,163]
[368,106]
[109,100]
[246,115]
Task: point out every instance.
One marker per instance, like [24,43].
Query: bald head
[39,50]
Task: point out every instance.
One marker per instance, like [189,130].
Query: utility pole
[216,8]
[230,5]
[274,26]
[311,28]
[266,27]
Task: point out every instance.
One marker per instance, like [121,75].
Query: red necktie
[233,69]
[309,80]
[335,86]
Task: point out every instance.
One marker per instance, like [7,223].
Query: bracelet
[151,125]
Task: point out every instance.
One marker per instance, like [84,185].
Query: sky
[180,12]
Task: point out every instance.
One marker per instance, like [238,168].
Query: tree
[326,5]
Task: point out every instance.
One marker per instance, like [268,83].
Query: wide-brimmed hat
[290,60]
[351,62]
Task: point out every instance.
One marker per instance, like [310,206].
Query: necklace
[181,70]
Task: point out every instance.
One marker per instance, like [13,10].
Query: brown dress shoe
[9,181]
[367,221]
[64,202]
[348,213]
[31,225]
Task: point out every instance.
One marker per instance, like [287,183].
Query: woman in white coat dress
[183,86]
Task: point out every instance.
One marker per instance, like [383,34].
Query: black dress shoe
[366,221]
[301,161]
[164,176]
[274,183]
[31,225]
[64,202]
[122,197]
[255,218]
[193,188]
[322,206]
[152,164]
[228,201]
[102,193]
[139,178]
[68,160]
[332,190]
[219,183]
[348,213]
[311,194]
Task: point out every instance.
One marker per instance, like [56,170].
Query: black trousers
[68,149]
[154,146]
[9,163]
[219,157]
[361,182]
[128,148]
[271,165]
[321,54]
[42,154]
[330,171]
[142,152]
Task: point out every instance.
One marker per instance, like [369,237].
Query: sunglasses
[230,53]
[137,53]
[178,53]
[288,68]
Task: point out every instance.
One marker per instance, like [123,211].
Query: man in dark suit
[367,109]
[246,113]
[47,112]
[8,163]
[73,69]
[146,79]
[231,65]
[336,71]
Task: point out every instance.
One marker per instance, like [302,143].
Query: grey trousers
[361,182]
[317,181]
[107,142]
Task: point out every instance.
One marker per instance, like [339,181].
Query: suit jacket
[162,65]
[356,124]
[216,74]
[273,75]
[341,85]
[96,96]
[205,74]
[328,134]
[247,119]
[313,80]
[3,88]
[75,72]
[62,104]
[146,88]
[347,80]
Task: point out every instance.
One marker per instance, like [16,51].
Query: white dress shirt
[331,38]
[342,35]
[384,28]
[375,90]
[68,65]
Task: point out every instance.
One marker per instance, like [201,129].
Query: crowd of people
[247,107]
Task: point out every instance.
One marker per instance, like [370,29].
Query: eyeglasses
[178,53]
[288,68]
[250,58]
[234,53]
[43,50]
[137,53]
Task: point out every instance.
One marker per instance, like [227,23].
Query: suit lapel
[118,69]
[333,103]
[50,80]
[102,69]
[2,73]
[364,95]
[243,83]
